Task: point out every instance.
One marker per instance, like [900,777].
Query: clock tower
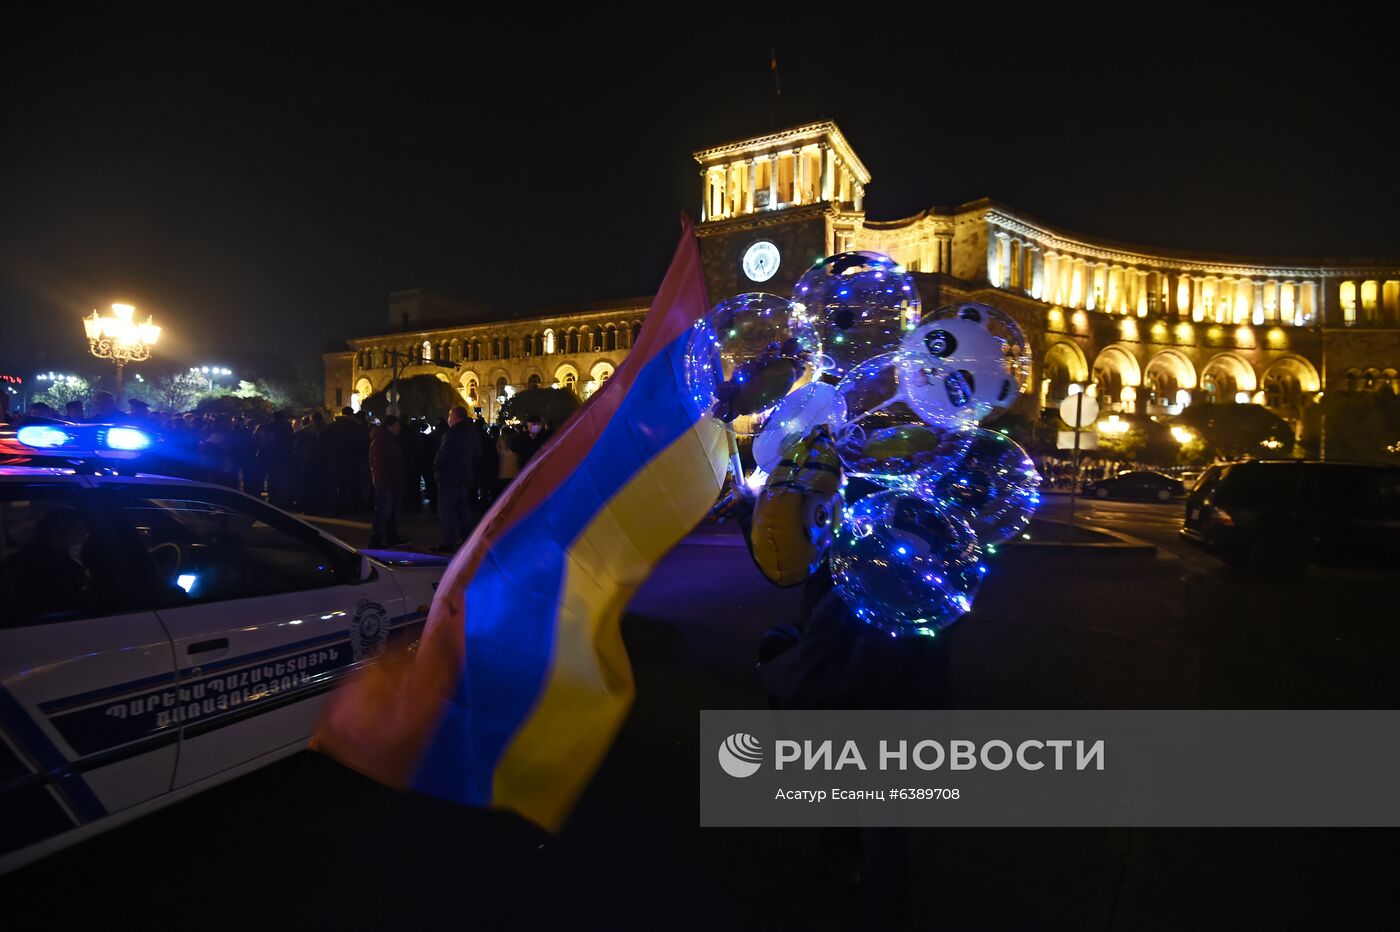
[773,205]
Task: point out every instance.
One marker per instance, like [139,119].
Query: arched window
[534,381]
[636,332]
[570,382]
[505,348]
[501,388]
[549,342]
[471,390]
[529,344]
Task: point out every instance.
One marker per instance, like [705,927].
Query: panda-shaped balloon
[962,369]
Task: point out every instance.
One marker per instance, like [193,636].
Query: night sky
[262,184]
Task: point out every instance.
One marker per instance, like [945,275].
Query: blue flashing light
[186,581]
[42,435]
[128,438]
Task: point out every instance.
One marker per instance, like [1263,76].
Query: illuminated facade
[1148,330]
[574,348]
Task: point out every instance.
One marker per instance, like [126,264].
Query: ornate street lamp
[118,338]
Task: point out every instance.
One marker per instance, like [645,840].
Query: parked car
[1276,518]
[1142,486]
[160,636]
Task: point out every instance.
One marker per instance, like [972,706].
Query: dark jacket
[457,458]
[386,465]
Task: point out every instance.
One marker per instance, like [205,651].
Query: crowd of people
[348,466]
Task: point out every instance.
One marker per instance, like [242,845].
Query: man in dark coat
[275,441]
[455,467]
[386,469]
[341,444]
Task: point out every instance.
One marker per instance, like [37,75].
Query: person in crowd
[214,453]
[275,451]
[305,445]
[410,440]
[508,447]
[140,415]
[104,408]
[73,411]
[489,466]
[456,466]
[387,471]
[427,456]
[39,413]
[242,453]
[341,443]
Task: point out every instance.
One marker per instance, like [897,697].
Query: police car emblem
[369,630]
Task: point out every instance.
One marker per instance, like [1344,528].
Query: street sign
[1079,410]
[1088,439]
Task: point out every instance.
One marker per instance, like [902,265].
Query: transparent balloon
[995,487]
[793,419]
[862,303]
[888,436]
[905,565]
[748,353]
[983,353]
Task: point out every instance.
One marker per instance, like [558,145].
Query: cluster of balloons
[851,365]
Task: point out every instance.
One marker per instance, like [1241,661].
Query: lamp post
[118,338]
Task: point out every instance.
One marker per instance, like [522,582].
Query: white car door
[266,614]
[85,669]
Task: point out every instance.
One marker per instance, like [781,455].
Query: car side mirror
[366,569]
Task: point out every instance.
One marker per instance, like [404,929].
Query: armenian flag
[520,681]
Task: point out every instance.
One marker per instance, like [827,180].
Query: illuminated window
[549,342]
[1370,294]
[1348,299]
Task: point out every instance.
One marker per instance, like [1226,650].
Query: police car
[159,636]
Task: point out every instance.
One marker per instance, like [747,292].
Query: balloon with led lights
[747,354]
[983,359]
[861,302]
[887,436]
[995,487]
[904,564]
[794,418]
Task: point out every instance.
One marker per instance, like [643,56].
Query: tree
[551,406]
[1362,427]
[60,392]
[425,396]
[176,392]
[1231,431]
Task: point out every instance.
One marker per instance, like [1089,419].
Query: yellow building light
[1055,319]
[1185,334]
[1159,331]
[1113,425]
[1129,328]
[1277,338]
[1080,321]
[1244,337]
[1182,435]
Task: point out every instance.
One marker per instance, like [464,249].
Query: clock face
[761,261]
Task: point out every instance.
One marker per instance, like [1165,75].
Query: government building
[1146,331]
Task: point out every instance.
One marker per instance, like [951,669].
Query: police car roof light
[127,438]
[43,436]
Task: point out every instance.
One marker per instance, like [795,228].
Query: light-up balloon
[861,302]
[982,352]
[748,353]
[905,565]
[995,487]
[888,436]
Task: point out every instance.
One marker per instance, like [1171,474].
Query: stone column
[860,197]
[1197,311]
[1037,273]
[825,152]
[753,179]
[773,181]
